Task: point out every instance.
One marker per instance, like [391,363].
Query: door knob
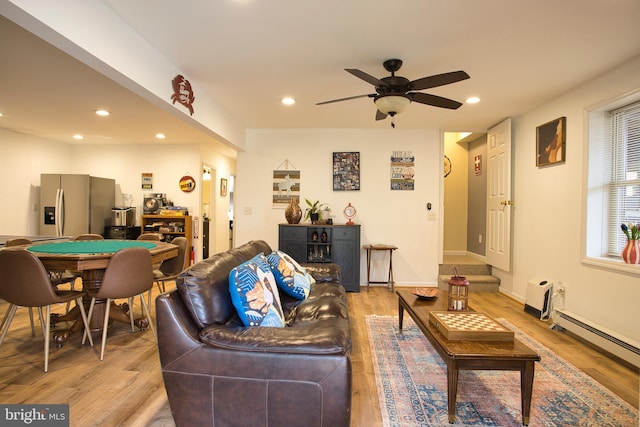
[507,203]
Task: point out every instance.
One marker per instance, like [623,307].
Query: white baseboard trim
[455,253]
[478,257]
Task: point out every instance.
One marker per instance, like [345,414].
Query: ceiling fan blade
[366,77]
[346,99]
[438,80]
[380,115]
[436,101]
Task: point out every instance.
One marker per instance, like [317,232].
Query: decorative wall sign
[286,184]
[182,92]
[550,142]
[147,181]
[346,171]
[402,170]
[187,184]
[477,164]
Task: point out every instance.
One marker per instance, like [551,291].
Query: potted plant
[313,212]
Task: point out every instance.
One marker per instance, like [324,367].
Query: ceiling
[247,54]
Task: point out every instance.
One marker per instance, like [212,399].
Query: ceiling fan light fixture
[392,104]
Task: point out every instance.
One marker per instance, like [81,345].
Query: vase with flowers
[631,251]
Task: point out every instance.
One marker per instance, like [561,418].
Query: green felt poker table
[87,255]
[91,257]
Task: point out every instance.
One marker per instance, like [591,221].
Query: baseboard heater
[622,347]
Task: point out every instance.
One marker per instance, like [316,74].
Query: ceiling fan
[395,93]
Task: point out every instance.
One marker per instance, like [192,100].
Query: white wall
[125,163]
[392,217]
[22,159]
[549,202]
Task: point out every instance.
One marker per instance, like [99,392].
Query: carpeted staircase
[478,275]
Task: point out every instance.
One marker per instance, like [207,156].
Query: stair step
[465,269]
[477,282]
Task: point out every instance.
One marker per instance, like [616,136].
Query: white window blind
[624,173]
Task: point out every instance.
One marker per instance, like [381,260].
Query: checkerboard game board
[464,325]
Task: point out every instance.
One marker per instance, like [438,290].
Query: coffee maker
[123,216]
[123,222]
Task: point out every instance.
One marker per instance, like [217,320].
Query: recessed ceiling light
[288,101]
[102,113]
[472,100]
[78,136]
[160,135]
[1,114]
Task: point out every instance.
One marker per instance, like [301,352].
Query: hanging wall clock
[447,166]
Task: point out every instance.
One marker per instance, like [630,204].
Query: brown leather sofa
[218,372]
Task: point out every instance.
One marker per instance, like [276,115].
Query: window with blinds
[624,173]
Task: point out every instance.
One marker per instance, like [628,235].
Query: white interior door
[498,250]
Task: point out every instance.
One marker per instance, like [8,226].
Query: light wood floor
[126,388]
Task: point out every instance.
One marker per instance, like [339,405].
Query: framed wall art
[346,171]
[551,142]
[286,184]
[223,187]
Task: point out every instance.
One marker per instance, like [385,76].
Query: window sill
[612,264]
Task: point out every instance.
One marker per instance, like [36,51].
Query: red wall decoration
[182,92]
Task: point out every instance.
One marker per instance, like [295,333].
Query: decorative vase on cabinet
[293,212]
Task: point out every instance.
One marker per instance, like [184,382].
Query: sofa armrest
[177,333]
[323,272]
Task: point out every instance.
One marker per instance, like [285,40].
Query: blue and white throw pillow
[254,293]
[290,276]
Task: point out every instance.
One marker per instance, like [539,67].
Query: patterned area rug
[412,386]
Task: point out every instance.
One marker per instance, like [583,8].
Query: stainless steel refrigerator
[75,204]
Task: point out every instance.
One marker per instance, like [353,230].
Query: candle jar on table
[458,293]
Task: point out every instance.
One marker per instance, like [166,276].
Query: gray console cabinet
[339,244]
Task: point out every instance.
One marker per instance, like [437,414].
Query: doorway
[465,188]
[208,208]
[230,213]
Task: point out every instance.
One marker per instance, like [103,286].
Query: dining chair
[58,277]
[170,269]
[150,236]
[88,236]
[24,282]
[153,237]
[128,275]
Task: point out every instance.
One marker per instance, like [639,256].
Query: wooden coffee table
[470,355]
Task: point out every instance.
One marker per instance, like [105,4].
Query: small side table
[390,248]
